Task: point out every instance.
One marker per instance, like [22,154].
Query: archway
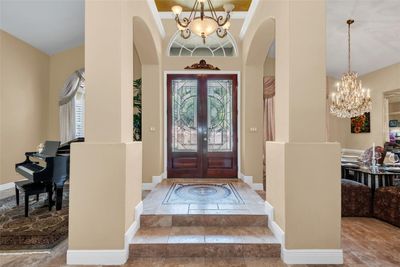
[149,70]
[253,101]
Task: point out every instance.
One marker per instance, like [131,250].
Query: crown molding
[234,15]
[249,17]
[157,19]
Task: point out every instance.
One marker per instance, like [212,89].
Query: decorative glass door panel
[219,115]
[202,126]
[184,115]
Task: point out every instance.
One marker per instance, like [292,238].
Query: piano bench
[30,188]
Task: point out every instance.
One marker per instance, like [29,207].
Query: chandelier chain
[349,45]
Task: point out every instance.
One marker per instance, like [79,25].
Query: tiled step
[204,242]
[203,220]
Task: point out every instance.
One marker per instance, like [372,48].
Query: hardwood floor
[370,242]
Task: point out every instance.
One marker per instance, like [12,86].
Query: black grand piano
[50,167]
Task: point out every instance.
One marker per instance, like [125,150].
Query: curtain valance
[71,86]
[269,86]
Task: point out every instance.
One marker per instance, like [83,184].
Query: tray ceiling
[165,5]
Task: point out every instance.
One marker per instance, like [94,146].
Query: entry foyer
[198,132]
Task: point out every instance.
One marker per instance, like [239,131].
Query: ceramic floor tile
[144,262]
[264,262]
[184,262]
[187,230]
[203,206]
[173,209]
[231,212]
[219,239]
[225,262]
[179,239]
[155,200]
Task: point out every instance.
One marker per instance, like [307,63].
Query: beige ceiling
[165,5]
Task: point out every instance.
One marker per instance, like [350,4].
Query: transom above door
[202,126]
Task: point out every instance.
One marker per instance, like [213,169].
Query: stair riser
[205,250]
[202,220]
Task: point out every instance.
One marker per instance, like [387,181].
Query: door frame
[165,117]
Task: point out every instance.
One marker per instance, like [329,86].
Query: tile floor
[157,201]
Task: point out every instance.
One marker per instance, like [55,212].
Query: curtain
[269,110]
[269,115]
[67,105]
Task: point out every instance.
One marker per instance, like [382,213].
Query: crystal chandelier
[350,99]
[203,25]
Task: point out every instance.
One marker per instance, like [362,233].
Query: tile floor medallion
[189,193]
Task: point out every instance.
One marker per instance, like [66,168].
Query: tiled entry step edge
[200,241]
[202,220]
[271,250]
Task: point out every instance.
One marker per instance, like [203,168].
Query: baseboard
[6,186]
[96,257]
[147,186]
[249,180]
[273,226]
[135,225]
[312,256]
[111,256]
[154,181]
[258,186]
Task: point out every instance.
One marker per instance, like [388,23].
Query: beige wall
[269,66]
[24,86]
[137,65]
[62,65]
[32,79]
[380,81]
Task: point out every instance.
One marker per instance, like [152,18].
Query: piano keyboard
[26,169]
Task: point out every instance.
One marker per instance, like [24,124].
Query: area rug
[43,229]
[193,193]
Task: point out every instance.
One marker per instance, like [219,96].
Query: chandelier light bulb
[228,7]
[227,25]
[177,10]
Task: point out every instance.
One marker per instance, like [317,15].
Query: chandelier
[201,24]
[350,99]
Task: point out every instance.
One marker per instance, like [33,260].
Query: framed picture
[393,123]
[361,124]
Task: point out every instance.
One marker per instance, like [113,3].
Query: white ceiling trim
[234,14]
[249,17]
[154,11]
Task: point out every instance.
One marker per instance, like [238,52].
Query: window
[194,46]
[72,107]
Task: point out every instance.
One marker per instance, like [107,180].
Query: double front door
[202,126]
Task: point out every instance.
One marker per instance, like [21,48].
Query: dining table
[375,178]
